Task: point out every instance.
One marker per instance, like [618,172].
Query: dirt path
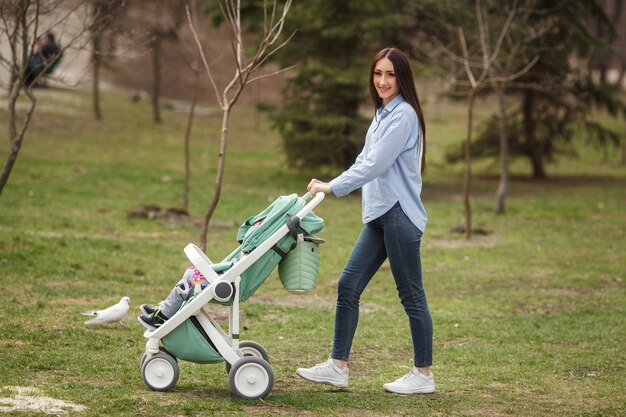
[29,399]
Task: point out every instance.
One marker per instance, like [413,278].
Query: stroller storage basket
[187,342]
[298,270]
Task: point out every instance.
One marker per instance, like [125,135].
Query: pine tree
[334,42]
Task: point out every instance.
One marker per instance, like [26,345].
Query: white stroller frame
[250,375]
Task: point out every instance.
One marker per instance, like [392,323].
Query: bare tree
[147,25]
[166,16]
[480,72]
[189,57]
[614,10]
[96,52]
[194,67]
[516,54]
[503,184]
[155,44]
[273,22]
[192,110]
[22,25]
[103,14]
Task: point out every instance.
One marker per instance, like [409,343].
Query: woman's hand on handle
[316,186]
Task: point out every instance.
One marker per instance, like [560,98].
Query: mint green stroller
[281,234]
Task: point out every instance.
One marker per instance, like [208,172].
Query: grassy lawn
[529,319]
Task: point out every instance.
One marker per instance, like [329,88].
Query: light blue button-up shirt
[389,166]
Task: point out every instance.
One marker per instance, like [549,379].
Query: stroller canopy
[257,229]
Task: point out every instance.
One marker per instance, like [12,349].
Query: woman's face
[385,80]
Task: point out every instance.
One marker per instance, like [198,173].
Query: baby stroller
[193,335]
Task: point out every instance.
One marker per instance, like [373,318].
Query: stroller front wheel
[160,372]
[251,378]
[144,355]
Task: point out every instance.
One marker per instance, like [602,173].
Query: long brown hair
[406,86]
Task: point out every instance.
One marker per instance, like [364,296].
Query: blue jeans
[391,236]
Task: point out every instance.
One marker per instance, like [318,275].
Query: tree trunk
[156,77]
[95,59]
[14,149]
[192,109]
[603,64]
[534,150]
[620,55]
[503,186]
[468,165]
[16,144]
[16,137]
[218,179]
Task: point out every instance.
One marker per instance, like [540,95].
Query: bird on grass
[114,314]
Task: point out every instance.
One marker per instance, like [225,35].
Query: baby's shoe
[147,310]
[152,321]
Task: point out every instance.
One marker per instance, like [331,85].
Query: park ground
[529,318]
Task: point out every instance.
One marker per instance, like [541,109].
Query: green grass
[529,320]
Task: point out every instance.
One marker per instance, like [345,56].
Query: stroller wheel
[251,378]
[250,348]
[160,372]
[145,355]
[142,359]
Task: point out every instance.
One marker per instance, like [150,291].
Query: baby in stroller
[191,283]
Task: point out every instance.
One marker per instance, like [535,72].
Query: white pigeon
[113,314]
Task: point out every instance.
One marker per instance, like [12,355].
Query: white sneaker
[325,373]
[412,383]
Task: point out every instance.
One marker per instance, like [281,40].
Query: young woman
[389,170]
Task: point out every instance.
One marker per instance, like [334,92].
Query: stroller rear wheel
[251,378]
[250,348]
[160,372]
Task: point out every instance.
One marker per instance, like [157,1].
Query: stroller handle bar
[273,239]
[203,263]
[308,197]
